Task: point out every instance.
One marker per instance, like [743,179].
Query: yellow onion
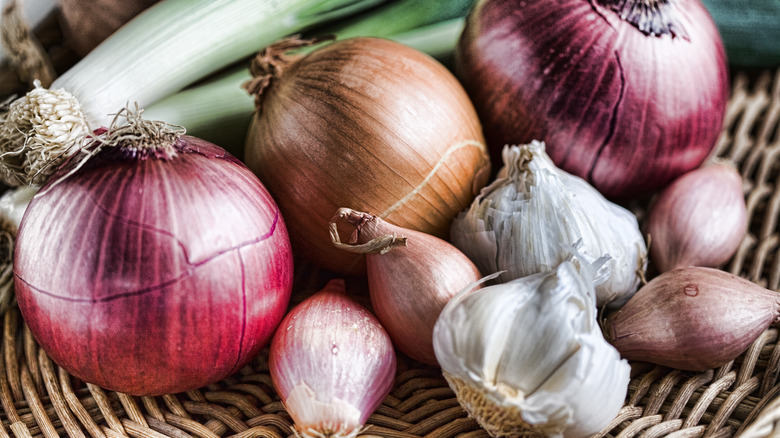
[366,123]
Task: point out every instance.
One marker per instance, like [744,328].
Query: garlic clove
[332,364]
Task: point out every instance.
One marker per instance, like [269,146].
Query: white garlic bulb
[527,357]
[526,221]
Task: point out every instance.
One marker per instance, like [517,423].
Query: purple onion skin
[624,110]
[153,276]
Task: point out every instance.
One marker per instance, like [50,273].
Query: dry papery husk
[367,123]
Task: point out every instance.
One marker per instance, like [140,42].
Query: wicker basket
[741,398]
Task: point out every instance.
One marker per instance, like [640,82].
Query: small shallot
[692,318]
[698,220]
[332,364]
[411,277]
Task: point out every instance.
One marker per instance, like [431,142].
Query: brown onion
[368,123]
[86,23]
[411,277]
[698,220]
[692,318]
[627,94]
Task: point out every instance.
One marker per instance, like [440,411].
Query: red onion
[160,265]
[332,364]
[626,103]
[411,277]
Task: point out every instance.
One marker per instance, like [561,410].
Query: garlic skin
[527,357]
[332,364]
[527,220]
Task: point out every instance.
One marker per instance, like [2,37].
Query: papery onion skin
[698,220]
[370,124]
[148,275]
[332,363]
[692,318]
[624,110]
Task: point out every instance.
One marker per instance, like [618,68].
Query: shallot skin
[332,363]
[692,318]
[625,110]
[150,277]
[410,284]
[698,220]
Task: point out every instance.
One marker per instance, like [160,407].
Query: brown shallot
[692,318]
[411,277]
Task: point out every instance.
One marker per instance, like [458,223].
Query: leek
[219,110]
[167,47]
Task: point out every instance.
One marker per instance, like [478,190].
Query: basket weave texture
[38,398]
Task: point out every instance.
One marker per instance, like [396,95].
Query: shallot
[332,364]
[411,277]
[699,220]
[692,318]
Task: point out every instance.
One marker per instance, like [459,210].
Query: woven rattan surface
[40,399]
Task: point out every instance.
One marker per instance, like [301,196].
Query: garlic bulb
[527,357]
[527,220]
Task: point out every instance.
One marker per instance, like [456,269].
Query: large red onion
[159,266]
[628,104]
